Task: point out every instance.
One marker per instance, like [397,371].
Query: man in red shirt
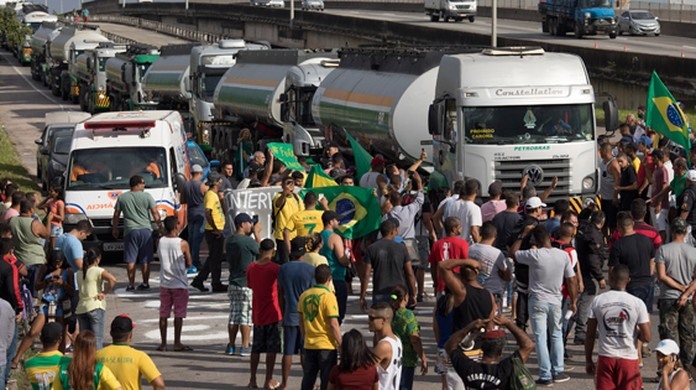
[449,247]
[639,209]
[262,277]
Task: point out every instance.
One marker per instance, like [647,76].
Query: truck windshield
[528,124]
[112,168]
[211,78]
[595,4]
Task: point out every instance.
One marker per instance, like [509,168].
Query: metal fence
[164,28]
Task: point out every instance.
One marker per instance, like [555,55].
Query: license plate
[112,246]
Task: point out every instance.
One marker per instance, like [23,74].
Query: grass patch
[11,166]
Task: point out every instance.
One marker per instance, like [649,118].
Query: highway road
[664,45]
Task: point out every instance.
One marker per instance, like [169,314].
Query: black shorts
[267,338]
[610,212]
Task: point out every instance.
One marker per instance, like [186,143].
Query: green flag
[318,178]
[664,115]
[357,207]
[362,157]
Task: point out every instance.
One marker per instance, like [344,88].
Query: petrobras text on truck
[110,148]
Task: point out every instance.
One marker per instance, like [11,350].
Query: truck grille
[543,171]
[105,222]
[464,7]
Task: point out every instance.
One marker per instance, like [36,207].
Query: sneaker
[229,350]
[143,287]
[193,270]
[220,288]
[560,378]
[544,382]
[244,352]
[130,288]
[199,285]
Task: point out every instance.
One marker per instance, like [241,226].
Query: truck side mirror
[611,115]
[179,181]
[284,112]
[435,116]
[43,150]
[283,97]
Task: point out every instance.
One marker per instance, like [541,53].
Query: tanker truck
[124,75]
[208,64]
[64,50]
[166,82]
[249,95]
[489,123]
[381,98]
[40,43]
[33,20]
[89,77]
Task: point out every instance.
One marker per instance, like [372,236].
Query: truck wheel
[82,98]
[552,27]
[434,18]
[578,31]
[65,93]
[561,30]
[612,35]
[457,19]
[471,19]
[545,26]
[55,89]
[443,17]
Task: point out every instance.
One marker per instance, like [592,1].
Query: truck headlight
[587,183]
[74,218]
[452,6]
[205,136]
[587,15]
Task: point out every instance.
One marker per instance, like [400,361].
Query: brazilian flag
[664,115]
[363,159]
[318,178]
[357,207]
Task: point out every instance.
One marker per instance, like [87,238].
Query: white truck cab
[107,150]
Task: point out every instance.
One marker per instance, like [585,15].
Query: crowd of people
[498,267]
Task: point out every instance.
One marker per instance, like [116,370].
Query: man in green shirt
[138,247]
[42,369]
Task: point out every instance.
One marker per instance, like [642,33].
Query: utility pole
[292,12]
[494,24]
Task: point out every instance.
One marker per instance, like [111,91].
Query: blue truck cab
[581,17]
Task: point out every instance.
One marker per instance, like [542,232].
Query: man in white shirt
[439,217]
[494,271]
[468,212]
[616,313]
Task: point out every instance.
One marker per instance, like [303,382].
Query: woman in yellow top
[92,305]
[82,372]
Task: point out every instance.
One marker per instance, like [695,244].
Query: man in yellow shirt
[307,221]
[43,368]
[318,310]
[214,225]
[285,204]
[127,363]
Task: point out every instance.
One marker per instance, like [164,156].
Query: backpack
[521,378]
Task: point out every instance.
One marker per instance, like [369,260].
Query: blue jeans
[545,318]
[11,352]
[94,321]
[407,374]
[196,229]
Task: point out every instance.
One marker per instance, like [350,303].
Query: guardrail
[163,28]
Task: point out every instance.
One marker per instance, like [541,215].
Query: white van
[107,150]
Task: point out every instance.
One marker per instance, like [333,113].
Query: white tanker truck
[249,95]
[89,77]
[124,76]
[63,53]
[40,45]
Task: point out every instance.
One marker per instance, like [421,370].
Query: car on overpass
[637,22]
[309,5]
[268,3]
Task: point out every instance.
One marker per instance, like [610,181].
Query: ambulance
[106,151]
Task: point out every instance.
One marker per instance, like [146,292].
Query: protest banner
[286,155]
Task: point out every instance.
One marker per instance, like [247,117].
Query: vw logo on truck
[535,173]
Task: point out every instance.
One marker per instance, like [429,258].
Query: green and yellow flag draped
[318,178]
[357,207]
[664,115]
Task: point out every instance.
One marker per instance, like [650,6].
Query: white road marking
[201,333]
[31,84]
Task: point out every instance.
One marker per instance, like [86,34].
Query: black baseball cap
[122,325]
[241,218]
[298,247]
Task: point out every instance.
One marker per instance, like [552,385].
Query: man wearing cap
[617,314]
[138,245]
[675,264]
[687,206]
[330,148]
[241,251]
[127,363]
[294,278]
[214,225]
[494,205]
[192,196]
[492,372]
[43,368]
[375,177]
[533,211]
